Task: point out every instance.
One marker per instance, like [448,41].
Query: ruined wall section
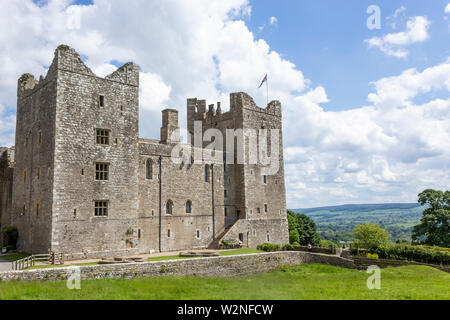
[86,103]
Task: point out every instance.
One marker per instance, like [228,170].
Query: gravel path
[5,265]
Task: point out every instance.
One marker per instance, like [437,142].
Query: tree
[369,236]
[434,227]
[10,236]
[302,229]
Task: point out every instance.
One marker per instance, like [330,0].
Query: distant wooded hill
[337,222]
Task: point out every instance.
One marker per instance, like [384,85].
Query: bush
[327,244]
[268,247]
[372,255]
[10,236]
[288,247]
[10,248]
[413,253]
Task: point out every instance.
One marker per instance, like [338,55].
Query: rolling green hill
[337,222]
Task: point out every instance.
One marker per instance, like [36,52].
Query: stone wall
[225,266]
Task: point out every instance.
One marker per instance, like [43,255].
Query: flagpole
[267,90]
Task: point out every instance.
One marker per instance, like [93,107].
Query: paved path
[5,265]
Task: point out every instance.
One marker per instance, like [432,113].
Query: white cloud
[393,44]
[447,8]
[273,20]
[386,151]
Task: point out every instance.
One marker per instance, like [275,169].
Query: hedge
[268,247]
[410,253]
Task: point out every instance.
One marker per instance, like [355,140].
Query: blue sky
[325,40]
[366,113]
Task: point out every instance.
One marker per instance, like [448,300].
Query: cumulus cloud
[447,8]
[393,44]
[388,150]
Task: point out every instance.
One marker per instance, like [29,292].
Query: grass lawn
[14,257]
[312,281]
[46,266]
[222,253]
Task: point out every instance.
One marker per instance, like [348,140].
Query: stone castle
[80,181]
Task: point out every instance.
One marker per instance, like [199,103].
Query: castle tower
[75,181]
[255,205]
[170,132]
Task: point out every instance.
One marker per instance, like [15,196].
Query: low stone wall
[313,249]
[223,266]
[383,263]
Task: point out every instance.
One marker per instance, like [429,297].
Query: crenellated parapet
[213,115]
[68,60]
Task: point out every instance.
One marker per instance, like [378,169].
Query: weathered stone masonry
[231,266]
[84,183]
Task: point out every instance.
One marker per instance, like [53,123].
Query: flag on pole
[264,80]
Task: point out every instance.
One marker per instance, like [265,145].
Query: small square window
[258,210]
[101,208]
[102,136]
[101,171]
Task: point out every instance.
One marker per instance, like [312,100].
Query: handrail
[29,261]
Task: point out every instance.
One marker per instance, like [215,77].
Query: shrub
[296,244]
[327,244]
[268,247]
[412,253]
[372,255]
[10,236]
[288,247]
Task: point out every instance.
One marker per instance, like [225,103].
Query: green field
[336,223]
[312,281]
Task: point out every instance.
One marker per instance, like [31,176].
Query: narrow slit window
[169,207]
[149,169]
[101,101]
[188,206]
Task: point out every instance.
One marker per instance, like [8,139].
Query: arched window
[149,169]
[169,207]
[188,206]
